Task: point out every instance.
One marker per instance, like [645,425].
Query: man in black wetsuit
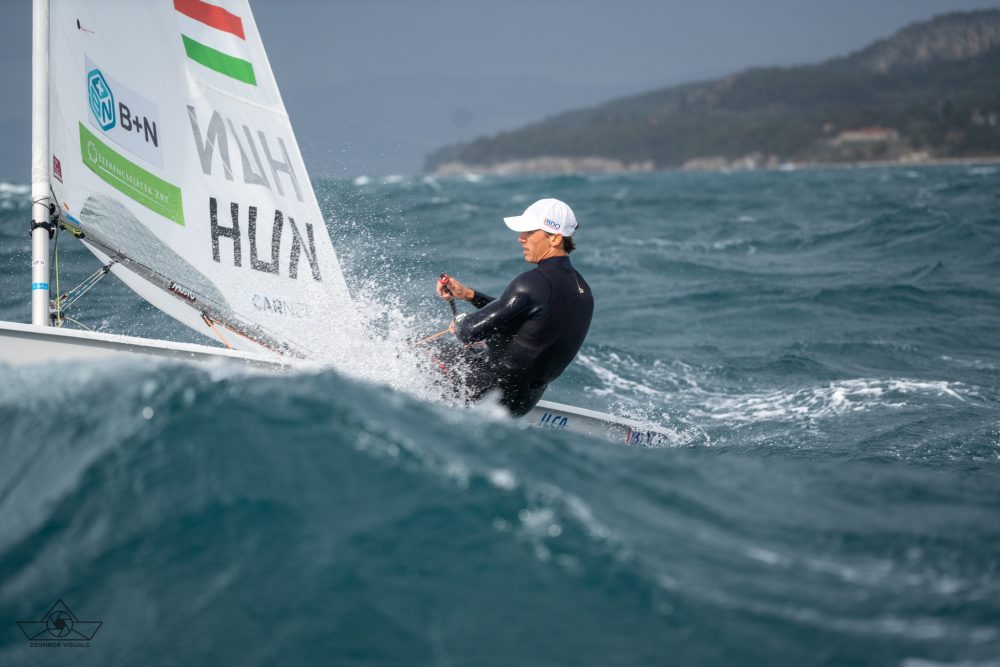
[536,327]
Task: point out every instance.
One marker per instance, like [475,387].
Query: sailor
[536,327]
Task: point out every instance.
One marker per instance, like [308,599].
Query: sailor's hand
[449,288]
[451,327]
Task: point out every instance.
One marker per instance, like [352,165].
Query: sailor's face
[535,245]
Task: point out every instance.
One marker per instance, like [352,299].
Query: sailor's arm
[478,299]
[514,305]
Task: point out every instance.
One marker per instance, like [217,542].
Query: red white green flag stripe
[224,25]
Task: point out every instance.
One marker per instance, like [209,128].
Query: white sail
[172,153]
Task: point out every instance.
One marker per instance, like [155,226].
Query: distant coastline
[596,165]
[927,95]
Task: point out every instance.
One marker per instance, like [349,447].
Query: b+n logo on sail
[102,100]
[122,115]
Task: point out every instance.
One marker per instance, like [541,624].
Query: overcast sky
[372,86]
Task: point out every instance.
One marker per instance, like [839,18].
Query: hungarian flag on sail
[214,38]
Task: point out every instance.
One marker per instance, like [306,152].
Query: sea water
[823,346]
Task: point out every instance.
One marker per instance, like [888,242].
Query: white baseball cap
[552,215]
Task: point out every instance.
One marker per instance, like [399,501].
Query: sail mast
[40,199]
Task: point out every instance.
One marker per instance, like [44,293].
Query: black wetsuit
[533,332]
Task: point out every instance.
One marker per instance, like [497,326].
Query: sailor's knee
[520,401]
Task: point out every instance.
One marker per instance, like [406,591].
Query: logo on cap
[551,223]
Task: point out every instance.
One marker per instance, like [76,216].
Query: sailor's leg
[520,398]
[465,371]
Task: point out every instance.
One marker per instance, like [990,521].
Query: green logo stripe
[223,63]
[130,179]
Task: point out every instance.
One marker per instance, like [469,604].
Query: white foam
[13,196]
[765,556]
[502,478]
[645,401]
[432,183]
[613,382]
[377,346]
[922,662]
[686,248]
[982,364]
[362,180]
[830,400]
[14,189]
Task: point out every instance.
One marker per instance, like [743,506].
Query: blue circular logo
[102,100]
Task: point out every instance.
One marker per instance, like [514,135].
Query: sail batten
[175,152]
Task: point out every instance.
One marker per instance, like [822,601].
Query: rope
[211,325]
[77,322]
[244,336]
[431,337]
[72,296]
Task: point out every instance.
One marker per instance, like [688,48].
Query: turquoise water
[822,344]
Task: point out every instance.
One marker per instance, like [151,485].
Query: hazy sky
[372,86]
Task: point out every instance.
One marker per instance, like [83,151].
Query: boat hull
[22,344]
[559,416]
